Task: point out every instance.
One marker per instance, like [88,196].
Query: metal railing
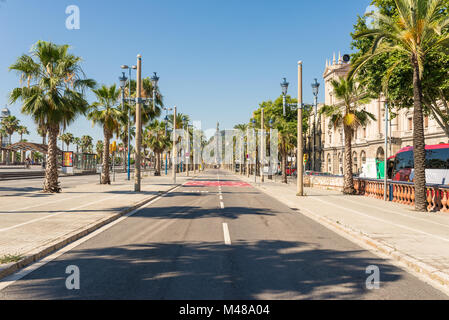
[404,193]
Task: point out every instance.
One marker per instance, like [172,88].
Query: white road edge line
[227,238]
[5,282]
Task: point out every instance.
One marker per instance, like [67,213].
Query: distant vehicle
[401,166]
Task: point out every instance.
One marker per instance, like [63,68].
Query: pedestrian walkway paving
[32,223]
[418,240]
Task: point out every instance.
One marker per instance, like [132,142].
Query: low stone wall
[324,182]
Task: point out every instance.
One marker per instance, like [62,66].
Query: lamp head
[315,87]
[123,80]
[284,86]
[154,80]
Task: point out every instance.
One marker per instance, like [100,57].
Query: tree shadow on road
[188,270]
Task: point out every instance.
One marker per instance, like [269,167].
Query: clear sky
[217,59]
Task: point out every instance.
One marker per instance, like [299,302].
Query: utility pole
[137,176]
[300,155]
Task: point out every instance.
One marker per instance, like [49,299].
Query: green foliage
[385,67]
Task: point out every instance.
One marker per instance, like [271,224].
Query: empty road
[217,238]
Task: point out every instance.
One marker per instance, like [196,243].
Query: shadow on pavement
[180,270]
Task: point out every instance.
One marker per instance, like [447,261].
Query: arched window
[354,162]
[362,158]
[340,161]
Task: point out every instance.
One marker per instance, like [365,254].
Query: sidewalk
[417,241]
[34,224]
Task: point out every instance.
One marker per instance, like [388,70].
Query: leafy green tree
[53,96]
[286,126]
[348,115]
[414,31]
[105,112]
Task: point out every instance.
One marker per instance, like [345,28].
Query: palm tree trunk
[418,141]
[51,183]
[157,172]
[105,179]
[348,187]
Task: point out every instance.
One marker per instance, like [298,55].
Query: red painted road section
[217,184]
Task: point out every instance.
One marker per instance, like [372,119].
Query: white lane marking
[57,214]
[222,204]
[5,282]
[221,196]
[382,220]
[227,237]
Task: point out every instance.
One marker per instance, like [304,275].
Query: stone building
[369,141]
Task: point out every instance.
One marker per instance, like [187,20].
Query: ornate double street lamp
[315,90]
[138,102]
[123,79]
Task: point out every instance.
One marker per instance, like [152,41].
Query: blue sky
[217,59]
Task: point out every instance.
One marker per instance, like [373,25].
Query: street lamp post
[253,121]
[122,85]
[139,101]
[298,106]
[284,86]
[299,162]
[315,89]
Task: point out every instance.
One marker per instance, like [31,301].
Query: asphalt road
[190,244]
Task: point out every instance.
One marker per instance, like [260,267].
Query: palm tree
[106,113]
[86,143]
[77,142]
[156,139]
[415,32]
[99,147]
[349,115]
[10,124]
[22,130]
[67,138]
[53,97]
[2,134]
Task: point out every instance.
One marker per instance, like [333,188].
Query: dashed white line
[227,238]
[222,204]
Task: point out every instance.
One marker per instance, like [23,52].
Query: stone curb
[57,244]
[432,274]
